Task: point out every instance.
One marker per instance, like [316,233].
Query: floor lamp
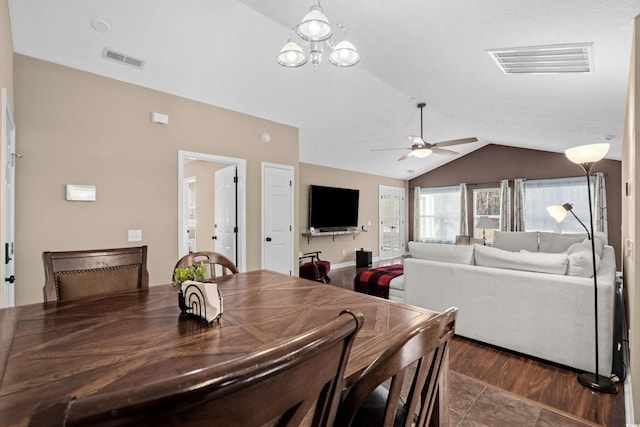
[587,156]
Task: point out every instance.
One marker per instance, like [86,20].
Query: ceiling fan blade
[416,140]
[390,149]
[406,156]
[438,150]
[454,142]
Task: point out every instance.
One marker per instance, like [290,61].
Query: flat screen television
[333,209]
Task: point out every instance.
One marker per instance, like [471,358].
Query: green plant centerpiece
[194,273]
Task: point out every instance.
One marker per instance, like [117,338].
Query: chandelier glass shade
[316,34]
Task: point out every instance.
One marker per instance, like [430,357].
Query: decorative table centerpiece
[195,297]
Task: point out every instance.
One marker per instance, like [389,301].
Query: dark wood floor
[544,384]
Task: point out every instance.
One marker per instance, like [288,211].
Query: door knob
[268,239]
[10,279]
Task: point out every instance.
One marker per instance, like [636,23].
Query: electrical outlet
[344,252]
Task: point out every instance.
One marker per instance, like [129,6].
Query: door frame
[241,164]
[8,126]
[291,169]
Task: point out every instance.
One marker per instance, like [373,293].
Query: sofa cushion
[457,254]
[556,242]
[539,262]
[580,260]
[514,241]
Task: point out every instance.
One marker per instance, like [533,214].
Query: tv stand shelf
[309,235]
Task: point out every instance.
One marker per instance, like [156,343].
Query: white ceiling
[222,52]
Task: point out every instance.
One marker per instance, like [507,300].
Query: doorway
[189,227]
[392,225]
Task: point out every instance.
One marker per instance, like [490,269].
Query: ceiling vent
[122,58]
[553,59]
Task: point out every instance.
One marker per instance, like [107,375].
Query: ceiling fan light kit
[316,33]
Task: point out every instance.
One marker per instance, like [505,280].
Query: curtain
[600,203]
[519,217]
[505,209]
[464,223]
[416,214]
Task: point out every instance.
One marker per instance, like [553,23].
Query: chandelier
[316,33]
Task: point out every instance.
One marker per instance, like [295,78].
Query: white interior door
[226,228]
[7,296]
[392,227]
[277,217]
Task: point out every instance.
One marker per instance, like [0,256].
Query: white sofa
[513,296]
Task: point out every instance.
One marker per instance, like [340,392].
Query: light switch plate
[135,235]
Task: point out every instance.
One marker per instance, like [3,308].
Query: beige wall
[630,210]
[342,249]
[6,50]
[79,128]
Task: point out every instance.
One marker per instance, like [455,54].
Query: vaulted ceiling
[222,52]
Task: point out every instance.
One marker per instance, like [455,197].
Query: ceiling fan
[421,148]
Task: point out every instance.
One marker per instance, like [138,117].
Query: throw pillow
[539,262]
[556,242]
[580,260]
[514,241]
[457,254]
[580,264]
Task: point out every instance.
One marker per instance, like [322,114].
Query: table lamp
[484,222]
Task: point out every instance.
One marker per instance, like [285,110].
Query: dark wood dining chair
[298,379]
[75,274]
[216,265]
[315,268]
[418,358]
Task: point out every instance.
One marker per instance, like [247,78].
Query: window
[439,209]
[540,193]
[486,202]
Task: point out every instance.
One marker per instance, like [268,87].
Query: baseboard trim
[349,264]
[628,401]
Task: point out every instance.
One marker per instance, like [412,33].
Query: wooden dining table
[104,343]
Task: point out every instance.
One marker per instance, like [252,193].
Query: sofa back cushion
[556,243]
[515,241]
[457,254]
[526,261]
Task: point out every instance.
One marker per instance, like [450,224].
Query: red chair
[315,268]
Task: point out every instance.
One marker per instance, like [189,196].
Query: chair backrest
[424,348]
[299,379]
[74,274]
[216,265]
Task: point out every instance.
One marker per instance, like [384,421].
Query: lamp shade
[314,27]
[344,55]
[585,154]
[291,55]
[485,222]
[421,152]
[557,212]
